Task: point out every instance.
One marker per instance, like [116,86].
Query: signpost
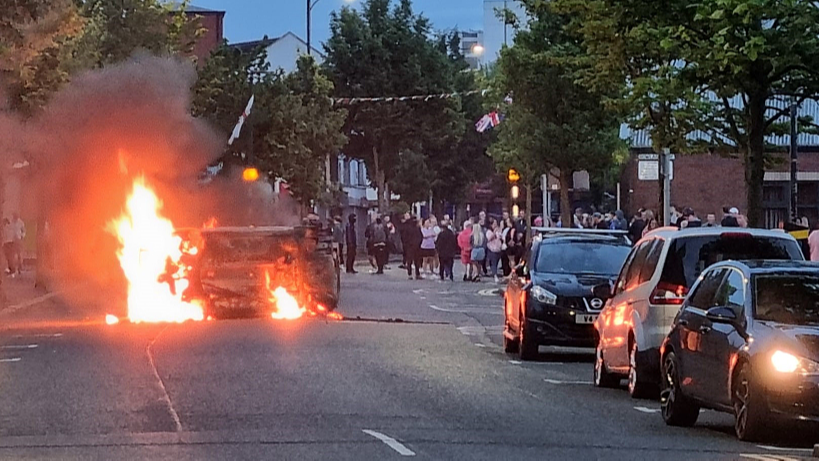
[658,167]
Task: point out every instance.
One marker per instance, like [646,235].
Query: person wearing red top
[466,249]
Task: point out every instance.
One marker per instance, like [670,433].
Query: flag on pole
[483,124]
[238,128]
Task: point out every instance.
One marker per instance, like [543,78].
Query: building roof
[195,9]
[266,42]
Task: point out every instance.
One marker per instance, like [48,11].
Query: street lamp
[310,5]
[477,49]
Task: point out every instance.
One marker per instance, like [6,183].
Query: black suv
[549,300]
[746,341]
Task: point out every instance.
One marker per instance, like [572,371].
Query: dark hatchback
[746,341]
[549,300]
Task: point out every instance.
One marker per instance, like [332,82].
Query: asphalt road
[415,370]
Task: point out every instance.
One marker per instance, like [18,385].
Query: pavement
[415,370]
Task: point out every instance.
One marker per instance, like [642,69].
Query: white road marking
[489,292]
[800,450]
[766,457]
[554,381]
[418,291]
[480,345]
[423,297]
[165,397]
[14,359]
[390,442]
[485,310]
[647,410]
[515,362]
[39,335]
[19,346]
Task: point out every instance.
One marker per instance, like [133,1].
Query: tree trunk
[755,163]
[565,202]
[529,212]
[3,299]
[380,182]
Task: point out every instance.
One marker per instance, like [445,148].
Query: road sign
[648,170]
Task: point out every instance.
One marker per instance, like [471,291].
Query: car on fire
[233,271]
[548,300]
[746,341]
[652,286]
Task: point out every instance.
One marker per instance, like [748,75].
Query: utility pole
[793,210]
[665,186]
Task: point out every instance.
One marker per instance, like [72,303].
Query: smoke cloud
[98,134]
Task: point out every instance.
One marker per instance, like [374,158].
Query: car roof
[612,239]
[762,266]
[671,233]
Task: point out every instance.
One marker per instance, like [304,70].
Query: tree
[401,60]
[292,125]
[554,121]
[412,177]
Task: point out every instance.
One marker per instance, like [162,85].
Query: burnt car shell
[235,268]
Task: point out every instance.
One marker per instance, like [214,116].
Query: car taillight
[736,235]
[668,293]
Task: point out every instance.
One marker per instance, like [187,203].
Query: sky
[247,20]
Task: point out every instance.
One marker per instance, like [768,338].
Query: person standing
[728,217]
[405,227]
[466,249]
[338,238]
[379,239]
[350,240]
[477,256]
[494,247]
[578,218]
[447,246]
[635,229]
[506,240]
[8,247]
[813,242]
[368,236]
[428,247]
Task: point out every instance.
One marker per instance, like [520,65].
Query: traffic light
[250,174]
[513,175]
[515,192]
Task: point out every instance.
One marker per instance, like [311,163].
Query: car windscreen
[575,257]
[689,256]
[226,248]
[787,298]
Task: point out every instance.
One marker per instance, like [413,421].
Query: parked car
[746,341]
[651,288]
[548,300]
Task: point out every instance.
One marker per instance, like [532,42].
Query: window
[651,260]
[789,298]
[640,257]
[621,280]
[575,257]
[732,293]
[704,296]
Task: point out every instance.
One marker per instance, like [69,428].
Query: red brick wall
[213,24]
[703,182]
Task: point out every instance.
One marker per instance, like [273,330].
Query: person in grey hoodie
[619,222]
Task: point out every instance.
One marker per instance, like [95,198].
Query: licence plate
[585,318]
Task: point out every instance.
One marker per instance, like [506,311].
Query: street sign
[654,157]
[649,170]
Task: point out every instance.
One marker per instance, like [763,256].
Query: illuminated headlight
[543,295]
[784,362]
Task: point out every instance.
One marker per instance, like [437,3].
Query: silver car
[653,284]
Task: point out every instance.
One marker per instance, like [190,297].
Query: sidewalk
[20,291]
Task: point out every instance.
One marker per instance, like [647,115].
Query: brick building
[707,182]
[212,23]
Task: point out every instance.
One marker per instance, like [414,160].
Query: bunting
[418,97]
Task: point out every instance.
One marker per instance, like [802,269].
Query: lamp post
[310,5]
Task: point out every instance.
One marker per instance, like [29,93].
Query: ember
[151,259]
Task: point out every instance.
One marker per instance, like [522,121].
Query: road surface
[415,371]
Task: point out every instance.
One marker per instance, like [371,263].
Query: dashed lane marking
[647,410]
[515,362]
[554,381]
[13,359]
[490,292]
[772,448]
[400,448]
[19,346]
[479,330]
[766,457]
[480,345]
[418,291]
[485,311]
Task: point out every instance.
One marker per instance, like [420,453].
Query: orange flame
[150,255]
[287,307]
[111,319]
[210,224]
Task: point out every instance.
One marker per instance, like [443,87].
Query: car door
[720,341]
[515,292]
[691,326]
[617,356]
[605,322]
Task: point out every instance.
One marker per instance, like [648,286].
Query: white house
[282,52]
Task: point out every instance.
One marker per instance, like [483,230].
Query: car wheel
[750,414]
[637,387]
[676,409]
[527,347]
[602,377]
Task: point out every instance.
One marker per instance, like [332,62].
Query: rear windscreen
[688,257]
[247,248]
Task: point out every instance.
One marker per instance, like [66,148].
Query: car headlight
[784,362]
[543,295]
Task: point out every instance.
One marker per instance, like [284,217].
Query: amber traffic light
[513,175]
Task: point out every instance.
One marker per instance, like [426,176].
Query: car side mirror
[721,314]
[602,291]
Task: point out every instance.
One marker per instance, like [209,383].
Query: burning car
[244,270]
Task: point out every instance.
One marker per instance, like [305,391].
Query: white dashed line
[390,442]
[554,381]
[515,362]
[771,448]
[766,457]
[647,410]
[19,346]
[480,345]
[14,359]
[39,335]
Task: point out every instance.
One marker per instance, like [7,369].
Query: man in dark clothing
[689,219]
[728,218]
[378,236]
[411,238]
[350,240]
[448,249]
[635,230]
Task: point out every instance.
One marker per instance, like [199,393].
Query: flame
[287,307]
[111,319]
[210,224]
[150,256]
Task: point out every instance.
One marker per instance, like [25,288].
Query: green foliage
[292,125]
[412,177]
[554,122]
[401,59]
